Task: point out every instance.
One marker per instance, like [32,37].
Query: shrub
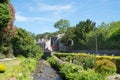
[87,61]
[52,61]
[115,59]
[105,66]
[67,68]
[70,71]
[2,68]
[74,72]
[61,55]
[117,62]
[82,59]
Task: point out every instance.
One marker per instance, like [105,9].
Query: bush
[115,59]
[117,62]
[2,68]
[61,55]
[70,71]
[82,59]
[105,66]
[74,72]
[68,68]
[85,60]
[52,61]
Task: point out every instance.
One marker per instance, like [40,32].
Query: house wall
[48,45]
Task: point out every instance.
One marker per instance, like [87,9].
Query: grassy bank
[19,69]
[9,67]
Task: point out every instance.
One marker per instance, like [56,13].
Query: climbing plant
[5,15]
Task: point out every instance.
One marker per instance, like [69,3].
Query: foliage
[9,67]
[105,66]
[7,30]
[71,71]
[107,37]
[46,35]
[62,25]
[114,39]
[2,68]
[115,59]
[87,60]
[67,39]
[81,29]
[66,69]
[5,15]
[2,56]
[23,70]
[4,1]
[117,62]
[23,44]
[74,72]
[52,61]
[85,35]
[82,59]
[100,34]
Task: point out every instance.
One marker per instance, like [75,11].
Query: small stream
[45,72]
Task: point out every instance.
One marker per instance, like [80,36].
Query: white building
[52,44]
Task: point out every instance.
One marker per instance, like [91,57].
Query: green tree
[7,30]
[62,25]
[5,15]
[23,44]
[4,1]
[113,39]
[67,39]
[101,34]
[81,29]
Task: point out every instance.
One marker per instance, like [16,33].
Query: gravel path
[45,72]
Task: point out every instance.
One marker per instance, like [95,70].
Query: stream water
[45,72]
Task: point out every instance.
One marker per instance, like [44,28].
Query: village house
[52,44]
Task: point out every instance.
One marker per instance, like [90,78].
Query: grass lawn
[9,67]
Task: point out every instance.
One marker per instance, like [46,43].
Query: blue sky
[39,16]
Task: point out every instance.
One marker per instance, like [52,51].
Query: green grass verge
[9,67]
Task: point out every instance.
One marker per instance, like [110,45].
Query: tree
[4,1]
[67,39]
[84,27]
[5,15]
[81,29]
[113,39]
[62,25]
[7,30]
[23,44]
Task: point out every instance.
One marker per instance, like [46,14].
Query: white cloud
[21,18]
[55,12]
[41,19]
[46,7]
